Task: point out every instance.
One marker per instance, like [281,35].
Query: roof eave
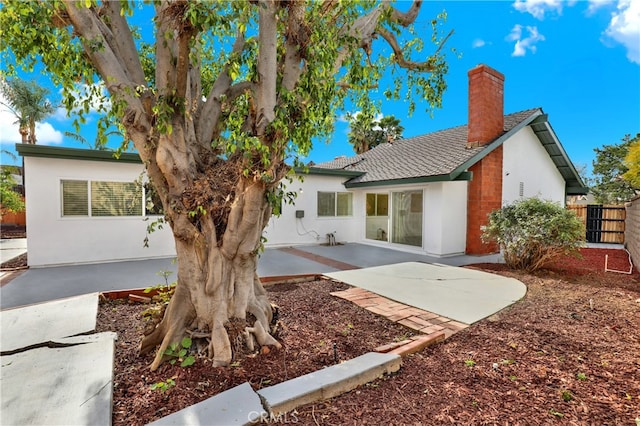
[464,176]
[574,183]
[327,172]
[496,143]
[63,153]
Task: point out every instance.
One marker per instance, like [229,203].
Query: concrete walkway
[12,247]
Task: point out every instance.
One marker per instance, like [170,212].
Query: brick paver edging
[416,319]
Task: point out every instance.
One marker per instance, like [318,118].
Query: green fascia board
[327,172]
[495,144]
[463,176]
[577,190]
[561,155]
[56,152]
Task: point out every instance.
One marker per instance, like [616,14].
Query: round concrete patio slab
[464,295]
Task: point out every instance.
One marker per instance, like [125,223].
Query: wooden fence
[605,224]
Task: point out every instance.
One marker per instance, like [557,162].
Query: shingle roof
[434,154]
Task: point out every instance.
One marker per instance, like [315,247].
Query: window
[99,198]
[115,199]
[75,198]
[335,204]
[377,204]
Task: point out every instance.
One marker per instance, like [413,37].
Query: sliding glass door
[377,222]
[406,218]
[398,220]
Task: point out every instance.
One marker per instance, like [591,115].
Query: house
[428,194]
[82,207]
[432,193]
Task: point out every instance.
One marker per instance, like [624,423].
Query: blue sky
[578,60]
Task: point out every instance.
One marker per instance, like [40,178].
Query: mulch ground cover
[567,353]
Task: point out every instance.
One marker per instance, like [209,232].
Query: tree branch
[123,39]
[108,65]
[406,18]
[213,107]
[296,40]
[399,55]
[267,65]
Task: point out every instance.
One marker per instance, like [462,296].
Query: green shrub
[532,232]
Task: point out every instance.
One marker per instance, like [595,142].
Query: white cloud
[524,44]
[538,8]
[478,43]
[624,28]
[47,135]
[9,134]
[594,5]
[8,129]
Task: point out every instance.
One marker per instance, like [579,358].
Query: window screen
[326,204]
[115,199]
[75,197]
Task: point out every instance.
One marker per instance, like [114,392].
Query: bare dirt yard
[567,353]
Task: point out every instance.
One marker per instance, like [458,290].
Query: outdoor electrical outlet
[299,214]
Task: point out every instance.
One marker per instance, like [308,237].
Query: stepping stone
[69,385]
[236,406]
[328,382]
[44,322]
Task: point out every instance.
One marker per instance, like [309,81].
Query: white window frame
[90,207]
[336,196]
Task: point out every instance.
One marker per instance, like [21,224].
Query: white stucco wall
[525,160]
[311,229]
[445,218]
[55,240]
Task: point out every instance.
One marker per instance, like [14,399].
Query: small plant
[402,337]
[508,361]
[163,295]
[581,376]
[179,353]
[532,232]
[513,378]
[347,329]
[469,363]
[163,386]
[556,413]
[566,395]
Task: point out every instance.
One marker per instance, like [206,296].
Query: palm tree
[366,132]
[28,102]
[97,145]
[360,131]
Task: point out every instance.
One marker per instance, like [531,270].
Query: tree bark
[219,293]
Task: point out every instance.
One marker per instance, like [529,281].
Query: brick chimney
[486,123]
[486,105]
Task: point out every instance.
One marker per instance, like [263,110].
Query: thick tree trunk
[219,294]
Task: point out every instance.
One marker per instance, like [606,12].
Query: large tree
[215,101]
[632,161]
[609,186]
[28,102]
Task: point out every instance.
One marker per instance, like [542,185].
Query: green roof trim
[327,172]
[539,123]
[56,152]
[464,176]
[496,143]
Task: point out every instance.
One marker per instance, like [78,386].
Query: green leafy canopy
[42,33]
